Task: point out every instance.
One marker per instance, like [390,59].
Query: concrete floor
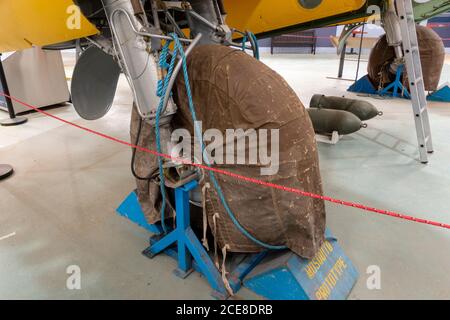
[59,207]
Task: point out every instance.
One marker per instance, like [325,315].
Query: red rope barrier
[237,176]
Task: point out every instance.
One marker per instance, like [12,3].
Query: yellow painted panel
[38,22]
[268,15]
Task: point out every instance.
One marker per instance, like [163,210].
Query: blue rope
[179,47]
[254,40]
[244,41]
[162,88]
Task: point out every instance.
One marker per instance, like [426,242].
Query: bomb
[326,121]
[362,109]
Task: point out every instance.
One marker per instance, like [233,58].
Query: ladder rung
[421,111]
[413,50]
[416,81]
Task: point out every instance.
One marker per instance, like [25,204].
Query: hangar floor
[59,207]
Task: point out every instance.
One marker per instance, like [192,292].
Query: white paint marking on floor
[7,236]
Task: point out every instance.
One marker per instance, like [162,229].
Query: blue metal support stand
[271,275]
[441,95]
[396,86]
[188,245]
[395,89]
[131,209]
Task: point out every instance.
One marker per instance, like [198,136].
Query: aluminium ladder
[415,77]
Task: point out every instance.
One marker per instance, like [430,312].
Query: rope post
[5,171]
[13,119]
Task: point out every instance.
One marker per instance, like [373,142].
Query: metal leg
[184,262]
[205,263]
[189,249]
[360,51]
[162,244]
[183,224]
[342,61]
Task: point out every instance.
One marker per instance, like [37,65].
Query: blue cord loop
[178,49]
[244,41]
[254,41]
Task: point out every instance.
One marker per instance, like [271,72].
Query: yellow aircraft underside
[24,23]
[261,16]
[43,22]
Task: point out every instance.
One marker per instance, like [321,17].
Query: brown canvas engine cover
[232,90]
[432,55]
